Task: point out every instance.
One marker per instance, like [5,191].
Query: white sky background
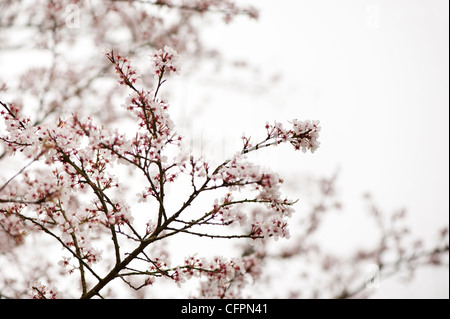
[375,73]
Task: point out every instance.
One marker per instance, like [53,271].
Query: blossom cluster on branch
[79,156]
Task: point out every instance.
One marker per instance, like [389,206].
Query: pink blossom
[165,60]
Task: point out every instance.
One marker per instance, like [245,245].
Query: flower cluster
[65,264]
[269,226]
[218,273]
[123,68]
[20,128]
[226,278]
[261,188]
[238,172]
[41,291]
[58,193]
[165,60]
[303,135]
[227,213]
[153,117]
